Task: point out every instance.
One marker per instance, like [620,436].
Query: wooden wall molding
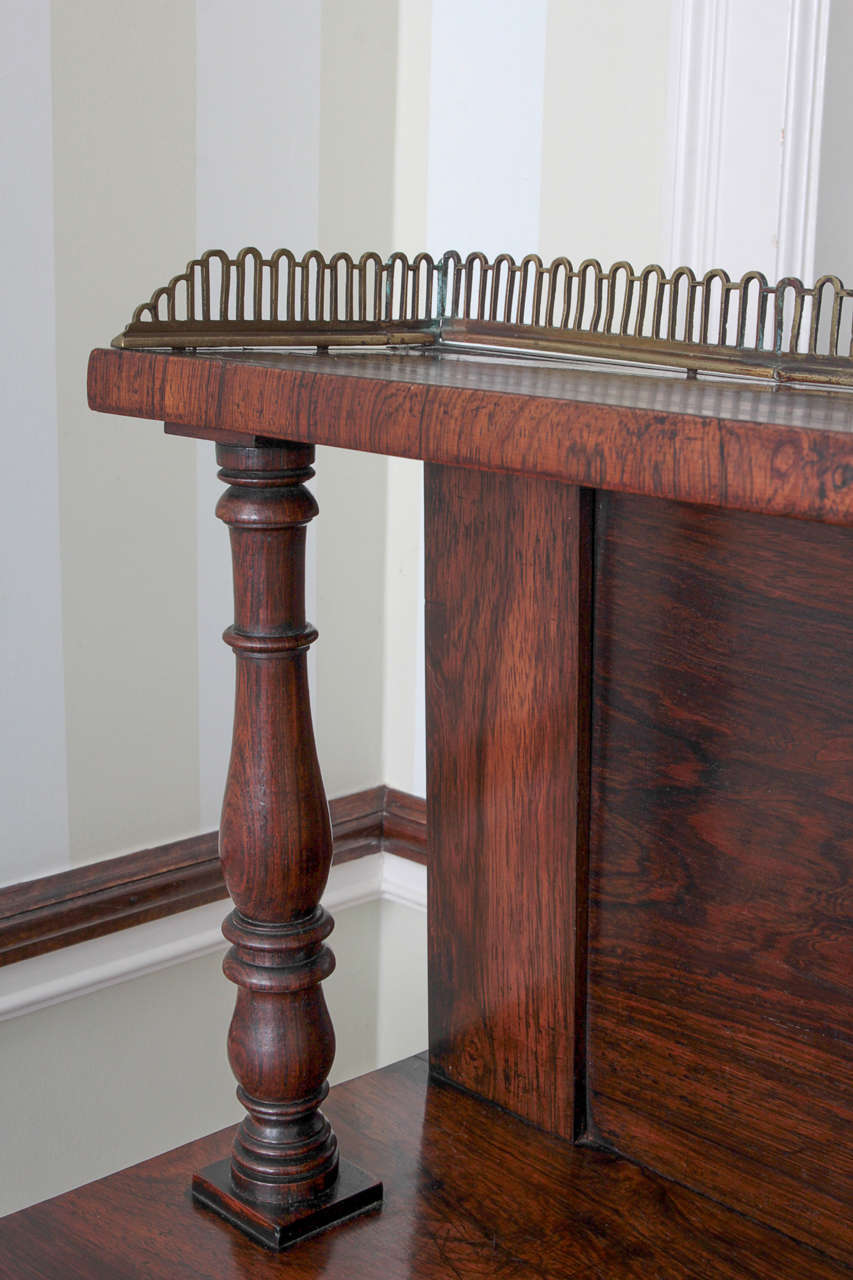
[37,916]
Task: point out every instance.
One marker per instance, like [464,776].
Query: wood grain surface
[404,830]
[37,916]
[275,844]
[506,597]
[471,1194]
[779,450]
[721,946]
[713,1041]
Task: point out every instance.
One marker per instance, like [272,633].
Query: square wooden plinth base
[354,1193]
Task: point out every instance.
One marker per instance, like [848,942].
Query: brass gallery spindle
[284,1179]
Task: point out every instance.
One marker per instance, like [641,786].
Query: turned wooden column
[284,1179]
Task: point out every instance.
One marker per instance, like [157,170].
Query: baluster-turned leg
[284,1179]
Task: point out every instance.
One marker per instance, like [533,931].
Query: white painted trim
[119,957]
[75,971]
[404,881]
[709,38]
[805,81]
[352,883]
[697,80]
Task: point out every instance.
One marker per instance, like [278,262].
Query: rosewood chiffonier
[639,652]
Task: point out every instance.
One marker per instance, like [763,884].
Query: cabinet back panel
[721,845]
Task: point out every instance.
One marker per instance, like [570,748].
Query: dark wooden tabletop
[735,444]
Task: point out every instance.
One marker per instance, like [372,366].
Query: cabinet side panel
[507,620]
[721,955]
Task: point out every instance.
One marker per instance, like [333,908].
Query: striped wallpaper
[146,132]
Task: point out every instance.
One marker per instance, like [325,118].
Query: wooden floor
[470,1193]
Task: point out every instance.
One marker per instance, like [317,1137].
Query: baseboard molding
[43,915]
[89,966]
[404,881]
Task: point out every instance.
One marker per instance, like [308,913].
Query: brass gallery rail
[785,331]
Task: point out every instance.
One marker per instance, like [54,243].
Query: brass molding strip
[785,331]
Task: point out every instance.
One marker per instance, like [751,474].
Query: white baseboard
[404,881]
[75,971]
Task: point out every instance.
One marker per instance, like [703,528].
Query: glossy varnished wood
[38,916]
[711,1040]
[721,978]
[506,604]
[781,451]
[275,844]
[472,1194]
[404,829]
[394,823]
